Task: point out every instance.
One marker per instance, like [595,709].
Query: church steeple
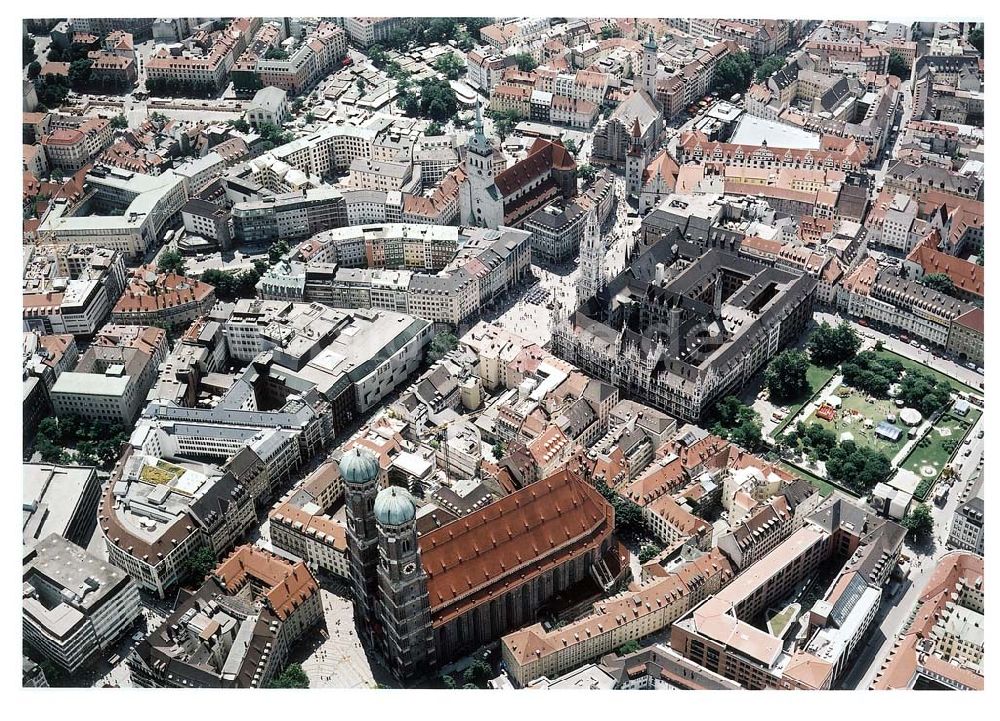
[478,143]
[647,79]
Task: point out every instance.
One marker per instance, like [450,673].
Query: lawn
[929,457]
[818,376]
[909,364]
[877,411]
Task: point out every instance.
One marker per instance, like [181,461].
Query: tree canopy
[737,422]
[277,251]
[857,467]
[292,677]
[648,552]
[898,65]
[171,261]
[829,345]
[441,345]
[785,376]
[768,66]
[449,65]
[924,392]
[437,100]
[233,284]
[919,523]
[200,563]
[27,50]
[628,516]
[525,62]
[78,440]
[872,373]
[504,121]
[34,68]
[940,283]
[734,73]
[977,39]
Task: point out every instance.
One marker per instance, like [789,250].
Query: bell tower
[404,604]
[480,201]
[360,470]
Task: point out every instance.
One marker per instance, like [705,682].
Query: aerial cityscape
[503,353]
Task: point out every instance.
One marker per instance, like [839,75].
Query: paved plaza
[334,656]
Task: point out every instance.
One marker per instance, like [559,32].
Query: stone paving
[335,657]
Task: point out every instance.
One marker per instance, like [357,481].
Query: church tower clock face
[409,568]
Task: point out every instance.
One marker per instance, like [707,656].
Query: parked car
[914,344]
[924,347]
[971,366]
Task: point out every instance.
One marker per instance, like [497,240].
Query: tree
[570,145]
[976,39]
[768,66]
[525,62]
[292,677]
[437,99]
[79,73]
[939,282]
[898,66]
[498,450]
[629,520]
[924,392]
[200,563]
[310,117]
[872,373]
[857,467]
[34,68]
[786,376]
[119,122]
[829,346]
[27,50]
[240,125]
[275,54]
[608,32]
[504,121]
[919,523]
[434,129]
[586,172]
[442,344]
[449,65]
[376,53]
[448,681]
[628,647]
[276,251]
[734,73]
[171,261]
[478,674]
[648,552]
[474,25]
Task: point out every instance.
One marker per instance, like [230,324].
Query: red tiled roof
[511,541]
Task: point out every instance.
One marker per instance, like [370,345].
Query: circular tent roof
[359,465]
[910,416]
[394,507]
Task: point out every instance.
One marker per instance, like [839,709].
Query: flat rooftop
[752,130]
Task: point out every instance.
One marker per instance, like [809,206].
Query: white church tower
[647,79]
[480,201]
